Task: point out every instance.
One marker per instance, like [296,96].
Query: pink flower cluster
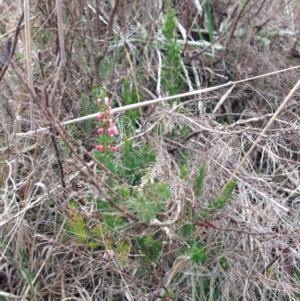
[107,126]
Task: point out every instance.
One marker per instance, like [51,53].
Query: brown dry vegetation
[104,42]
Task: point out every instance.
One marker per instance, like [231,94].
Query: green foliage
[122,250]
[224,263]
[76,223]
[178,133]
[96,233]
[88,106]
[22,270]
[132,163]
[297,277]
[107,158]
[297,273]
[184,171]
[144,207]
[217,203]
[187,230]
[150,247]
[172,61]
[148,201]
[130,96]
[223,199]
[170,25]
[198,253]
[99,235]
[112,221]
[199,181]
[209,18]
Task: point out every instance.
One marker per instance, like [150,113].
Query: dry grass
[104,43]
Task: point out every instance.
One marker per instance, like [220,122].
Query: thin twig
[158,100]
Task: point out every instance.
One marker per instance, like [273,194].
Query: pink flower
[111,114]
[113,149]
[100,148]
[112,130]
[107,112]
[106,101]
[101,116]
[108,254]
[100,131]
[99,102]
[168,299]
